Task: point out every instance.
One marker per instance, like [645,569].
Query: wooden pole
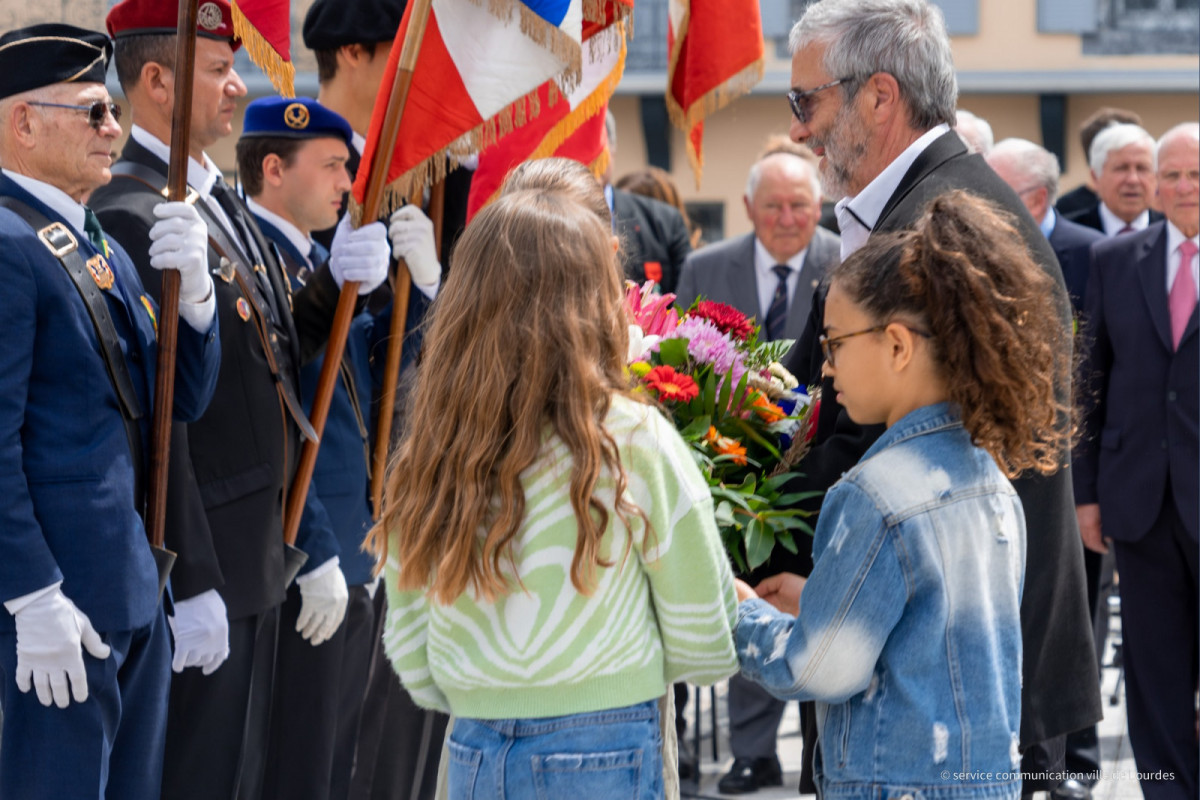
[344,315]
[168,314]
[391,365]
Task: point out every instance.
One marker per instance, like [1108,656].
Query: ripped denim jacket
[909,636]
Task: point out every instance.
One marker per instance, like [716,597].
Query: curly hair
[964,273]
[527,339]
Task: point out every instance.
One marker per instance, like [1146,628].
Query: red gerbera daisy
[727,318]
[671,385]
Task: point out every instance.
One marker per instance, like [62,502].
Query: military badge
[243,309]
[225,270]
[150,310]
[209,16]
[295,116]
[102,273]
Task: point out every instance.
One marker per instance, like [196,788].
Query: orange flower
[767,410]
[672,385]
[726,446]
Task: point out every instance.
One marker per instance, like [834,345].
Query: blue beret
[41,55]
[294,118]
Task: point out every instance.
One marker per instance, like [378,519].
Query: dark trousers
[109,746]
[1160,634]
[754,716]
[399,744]
[217,724]
[317,704]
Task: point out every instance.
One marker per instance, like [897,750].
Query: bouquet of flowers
[744,416]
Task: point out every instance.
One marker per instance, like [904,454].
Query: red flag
[716,55]
[264,27]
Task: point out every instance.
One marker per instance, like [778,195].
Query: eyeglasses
[828,344]
[799,100]
[97,112]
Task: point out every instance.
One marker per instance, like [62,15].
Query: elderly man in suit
[1122,165]
[874,93]
[770,274]
[84,648]
[1136,468]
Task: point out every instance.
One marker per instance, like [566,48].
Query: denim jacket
[909,636]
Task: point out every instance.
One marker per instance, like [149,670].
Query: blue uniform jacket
[338,508]
[67,510]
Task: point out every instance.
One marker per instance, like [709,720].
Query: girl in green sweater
[551,559]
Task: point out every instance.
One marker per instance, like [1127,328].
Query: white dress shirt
[1113,224]
[1175,238]
[766,279]
[301,242]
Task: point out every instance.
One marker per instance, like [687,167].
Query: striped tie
[777,313]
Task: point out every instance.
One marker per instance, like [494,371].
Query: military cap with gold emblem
[294,118]
[214,19]
[41,55]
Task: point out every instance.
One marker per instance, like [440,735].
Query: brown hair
[1101,119]
[964,274]
[131,53]
[560,175]
[527,338]
[251,150]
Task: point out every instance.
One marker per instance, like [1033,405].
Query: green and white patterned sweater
[664,615]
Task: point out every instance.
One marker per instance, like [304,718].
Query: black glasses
[828,344]
[798,100]
[96,112]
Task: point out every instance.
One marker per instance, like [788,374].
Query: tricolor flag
[716,55]
[476,79]
[264,27]
[571,125]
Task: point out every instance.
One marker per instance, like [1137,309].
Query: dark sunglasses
[799,100]
[96,112]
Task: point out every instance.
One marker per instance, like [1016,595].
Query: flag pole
[344,315]
[168,315]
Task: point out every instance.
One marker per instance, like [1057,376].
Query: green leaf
[785,539]
[673,351]
[792,498]
[724,515]
[759,543]
[710,394]
[696,428]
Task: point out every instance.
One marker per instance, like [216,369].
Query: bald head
[1031,170]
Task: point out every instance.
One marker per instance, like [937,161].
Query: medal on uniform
[150,310]
[225,270]
[101,272]
[243,309]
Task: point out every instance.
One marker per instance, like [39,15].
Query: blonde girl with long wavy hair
[551,557]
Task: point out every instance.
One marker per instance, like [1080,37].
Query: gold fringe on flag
[282,73]
[537,29]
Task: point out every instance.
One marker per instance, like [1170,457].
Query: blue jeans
[614,754]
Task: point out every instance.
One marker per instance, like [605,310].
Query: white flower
[640,344]
[780,372]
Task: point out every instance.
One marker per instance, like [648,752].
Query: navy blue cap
[294,118]
[41,55]
[330,24]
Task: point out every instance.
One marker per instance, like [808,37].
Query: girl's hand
[744,592]
[783,592]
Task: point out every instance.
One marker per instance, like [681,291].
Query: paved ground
[1118,783]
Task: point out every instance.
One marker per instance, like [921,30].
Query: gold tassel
[282,73]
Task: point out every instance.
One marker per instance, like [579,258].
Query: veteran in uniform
[84,653]
[231,469]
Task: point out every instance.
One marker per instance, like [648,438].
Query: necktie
[227,201]
[95,234]
[1127,229]
[1182,299]
[777,313]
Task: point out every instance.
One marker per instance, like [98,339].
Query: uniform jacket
[1061,691]
[232,467]
[1140,437]
[725,272]
[66,471]
[338,499]
[909,636]
[654,238]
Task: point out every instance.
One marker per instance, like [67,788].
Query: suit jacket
[66,468]
[1090,217]
[725,272]
[654,238]
[1140,437]
[1076,200]
[1061,688]
[230,469]
[1072,245]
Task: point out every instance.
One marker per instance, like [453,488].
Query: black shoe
[687,767]
[1071,789]
[750,774]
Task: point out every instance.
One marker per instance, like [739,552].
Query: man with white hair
[1122,165]
[874,93]
[975,131]
[1138,462]
[770,274]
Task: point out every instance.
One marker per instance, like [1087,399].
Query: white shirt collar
[59,201]
[1113,224]
[302,243]
[359,141]
[868,204]
[1175,238]
[767,280]
[201,176]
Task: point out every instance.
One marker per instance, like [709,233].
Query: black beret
[330,24]
[42,55]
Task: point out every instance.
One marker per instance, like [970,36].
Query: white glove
[412,238]
[201,629]
[323,598]
[359,255]
[51,635]
[179,240]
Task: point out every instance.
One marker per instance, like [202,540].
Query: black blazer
[1140,438]
[1061,690]
[1090,217]
[230,469]
[654,238]
[1072,244]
